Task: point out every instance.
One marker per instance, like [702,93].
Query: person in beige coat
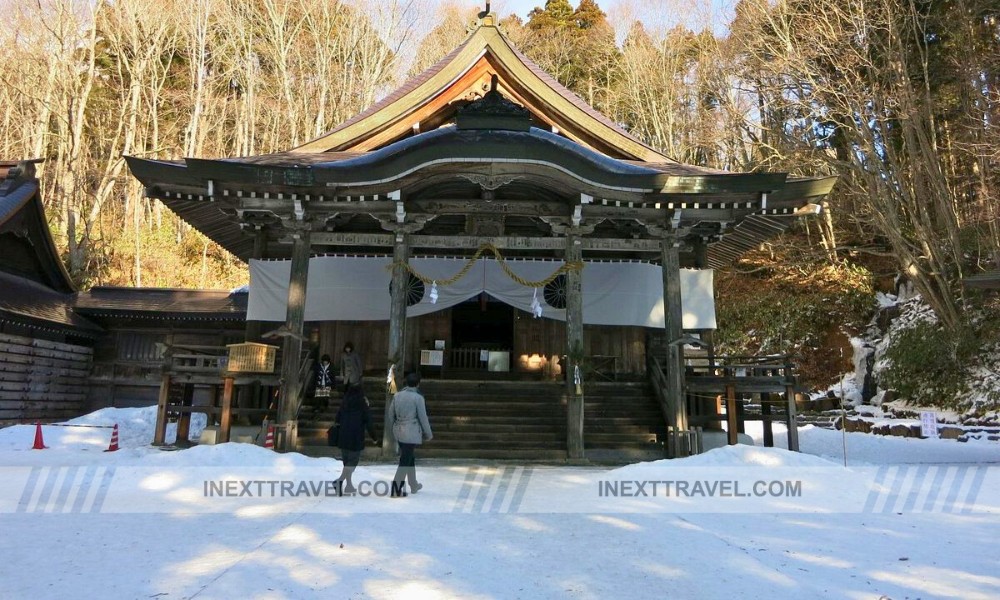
[351,367]
[409,424]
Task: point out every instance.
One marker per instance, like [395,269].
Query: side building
[64,353]
[46,349]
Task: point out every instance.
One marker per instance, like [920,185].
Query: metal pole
[843,413]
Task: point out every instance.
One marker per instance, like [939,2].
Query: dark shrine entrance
[482,334]
[483,322]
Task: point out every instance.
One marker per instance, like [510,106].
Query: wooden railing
[659,381]
[679,442]
[777,366]
[468,359]
[465,359]
[731,377]
[194,359]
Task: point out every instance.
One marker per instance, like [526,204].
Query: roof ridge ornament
[485,18]
[493,111]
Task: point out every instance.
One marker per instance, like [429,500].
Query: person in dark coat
[322,382]
[410,427]
[355,419]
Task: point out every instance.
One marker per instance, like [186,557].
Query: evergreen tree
[557,14]
[589,15]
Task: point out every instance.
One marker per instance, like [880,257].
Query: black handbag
[333,435]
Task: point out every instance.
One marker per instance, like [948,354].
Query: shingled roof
[163,303]
[33,304]
[35,289]
[445,86]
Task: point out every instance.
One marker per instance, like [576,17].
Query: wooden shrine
[482,151]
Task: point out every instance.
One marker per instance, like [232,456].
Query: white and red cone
[113,446]
[269,438]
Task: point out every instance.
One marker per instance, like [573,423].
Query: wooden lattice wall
[41,379]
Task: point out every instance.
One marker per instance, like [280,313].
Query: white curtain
[342,288]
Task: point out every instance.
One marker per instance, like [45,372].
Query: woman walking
[354,419]
[408,420]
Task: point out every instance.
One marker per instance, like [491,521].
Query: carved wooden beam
[457,242]
[524,208]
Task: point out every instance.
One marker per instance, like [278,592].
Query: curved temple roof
[524,152]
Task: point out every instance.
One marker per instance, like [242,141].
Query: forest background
[900,98]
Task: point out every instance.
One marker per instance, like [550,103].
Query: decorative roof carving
[490,182]
[493,111]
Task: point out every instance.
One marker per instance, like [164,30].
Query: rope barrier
[72,425]
[566,267]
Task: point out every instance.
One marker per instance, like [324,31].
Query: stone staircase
[515,420]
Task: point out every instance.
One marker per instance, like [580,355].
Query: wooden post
[765,414]
[160,432]
[184,420]
[253,328]
[574,350]
[700,254]
[397,331]
[741,423]
[732,437]
[227,403]
[288,405]
[793,428]
[673,325]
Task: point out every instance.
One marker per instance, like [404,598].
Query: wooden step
[516,420]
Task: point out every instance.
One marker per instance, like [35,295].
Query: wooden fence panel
[42,380]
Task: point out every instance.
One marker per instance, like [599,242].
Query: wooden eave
[21,205]
[227,198]
[455,151]
[440,87]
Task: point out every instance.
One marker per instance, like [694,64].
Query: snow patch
[135,430]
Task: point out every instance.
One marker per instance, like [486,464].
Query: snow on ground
[868,449]
[424,547]
[135,430]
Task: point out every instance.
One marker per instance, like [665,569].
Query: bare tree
[853,77]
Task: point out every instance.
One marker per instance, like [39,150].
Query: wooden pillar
[673,325]
[765,415]
[160,431]
[574,350]
[731,428]
[793,428]
[253,328]
[226,421]
[701,254]
[291,359]
[184,420]
[741,423]
[397,331]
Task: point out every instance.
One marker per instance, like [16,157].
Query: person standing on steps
[354,418]
[408,420]
[323,382]
[351,366]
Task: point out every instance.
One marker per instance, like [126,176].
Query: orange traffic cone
[113,446]
[39,443]
[269,438]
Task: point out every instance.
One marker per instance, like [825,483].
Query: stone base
[244,434]
[716,438]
